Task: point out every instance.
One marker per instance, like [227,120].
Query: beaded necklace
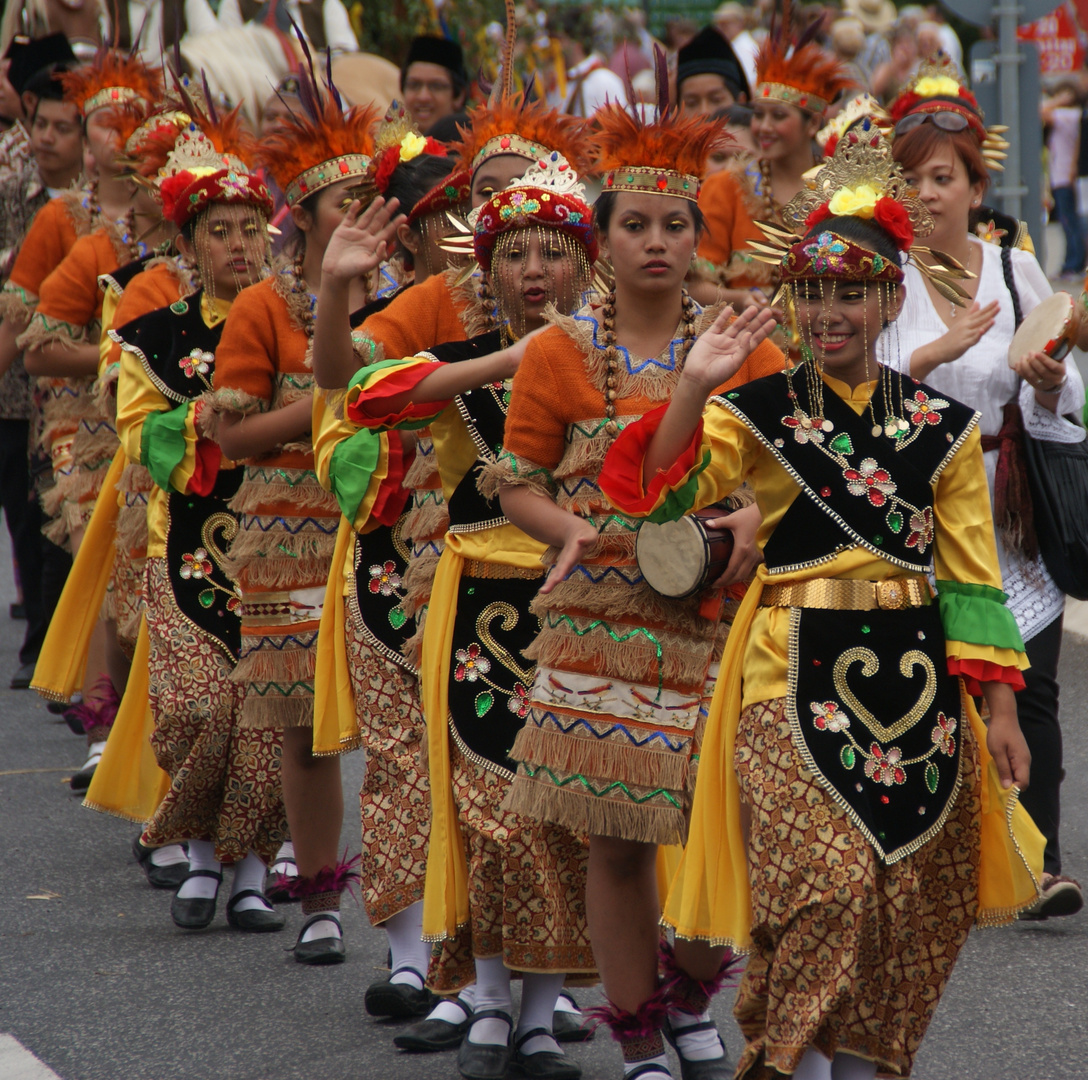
[304,305]
[612,353]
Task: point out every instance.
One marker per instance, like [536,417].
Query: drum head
[672,556]
[1046,328]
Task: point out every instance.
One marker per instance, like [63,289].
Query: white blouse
[982,379]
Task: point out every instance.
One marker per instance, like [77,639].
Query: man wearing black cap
[433,80]
[708,74]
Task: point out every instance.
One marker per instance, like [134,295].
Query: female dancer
[945,150]
[613,725]
[503,892]
[865,824]
[288,523]
[225,796]
[795,86]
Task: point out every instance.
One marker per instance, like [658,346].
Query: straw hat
[875,15]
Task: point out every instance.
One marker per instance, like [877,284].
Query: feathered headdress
[861,180]
[939,88]
[112,78]
[322,144]
[666,156]
[398,140]
[801,74]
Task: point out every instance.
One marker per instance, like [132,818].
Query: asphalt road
[99,985]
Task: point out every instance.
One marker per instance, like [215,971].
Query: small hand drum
[1050,327]
[678,558]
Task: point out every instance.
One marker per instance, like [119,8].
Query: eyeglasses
[945,120]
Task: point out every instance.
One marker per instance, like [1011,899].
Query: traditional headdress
[861,180]
[111,79]
[550,195]
[938,89]
[803,75]
[666,156]
[322,144]
[398,141]
[451,195]
[864,105]
[198,157]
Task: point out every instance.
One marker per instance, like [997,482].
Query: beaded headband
[507,144]
[790,95]
[657,181]
[111,95]
[320,176]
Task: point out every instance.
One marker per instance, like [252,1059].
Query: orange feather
[680,142]
[534,121]
[300,142]
[112,68]
[809,69]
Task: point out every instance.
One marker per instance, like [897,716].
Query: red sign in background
[1059,38]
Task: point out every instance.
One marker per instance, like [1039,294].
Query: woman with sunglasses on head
[945,149]
[849,845]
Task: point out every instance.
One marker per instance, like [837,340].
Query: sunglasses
[946,121]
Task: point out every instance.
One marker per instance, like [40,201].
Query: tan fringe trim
[268,560]
[92,449]
[682,662]
[474,317]
[584,457]
[277,665]
[494,475]
[652,383]
[418,582]
[135,478]
[132,528]
[56,531]
[276,713]
[587,814]
[412,651]
[423,470]
[105,395]
[80,216]
[72,407]
[615,599]
[87,483]
[308,493]
[14,308]
[235,401]
[43,331]
[602,759]
[206,419]
[427,521]
[743,267]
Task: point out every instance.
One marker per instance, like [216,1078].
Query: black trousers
[1037,706]
[43,567]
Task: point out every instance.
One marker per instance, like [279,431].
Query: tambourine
[1050,327]
[678,558]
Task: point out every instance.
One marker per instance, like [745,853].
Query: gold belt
[842,594]
[477,568]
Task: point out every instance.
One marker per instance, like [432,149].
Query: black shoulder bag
[1058,478]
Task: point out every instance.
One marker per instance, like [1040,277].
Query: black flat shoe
[398,1000]
[714,1068]
[323,950]
[570,1027]
[277,886]
[255,920]
[81,780]
[483,1061]
[158,877]
[195,913]
[544,1064]
[432,1036]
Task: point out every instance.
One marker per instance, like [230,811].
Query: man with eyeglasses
[433,80]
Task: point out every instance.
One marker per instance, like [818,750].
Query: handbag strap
[1010,284]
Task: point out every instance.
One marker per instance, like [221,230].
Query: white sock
[468,995]
[280,865]
[449,1012]
[851,1067]
[538,996]
[94,754]
[565,1004]
[249,874]
[171,855]
[492,992]
[696,1045]
[322,928]
[201,857]
[661,1062]
[405,932]
[813,1066]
